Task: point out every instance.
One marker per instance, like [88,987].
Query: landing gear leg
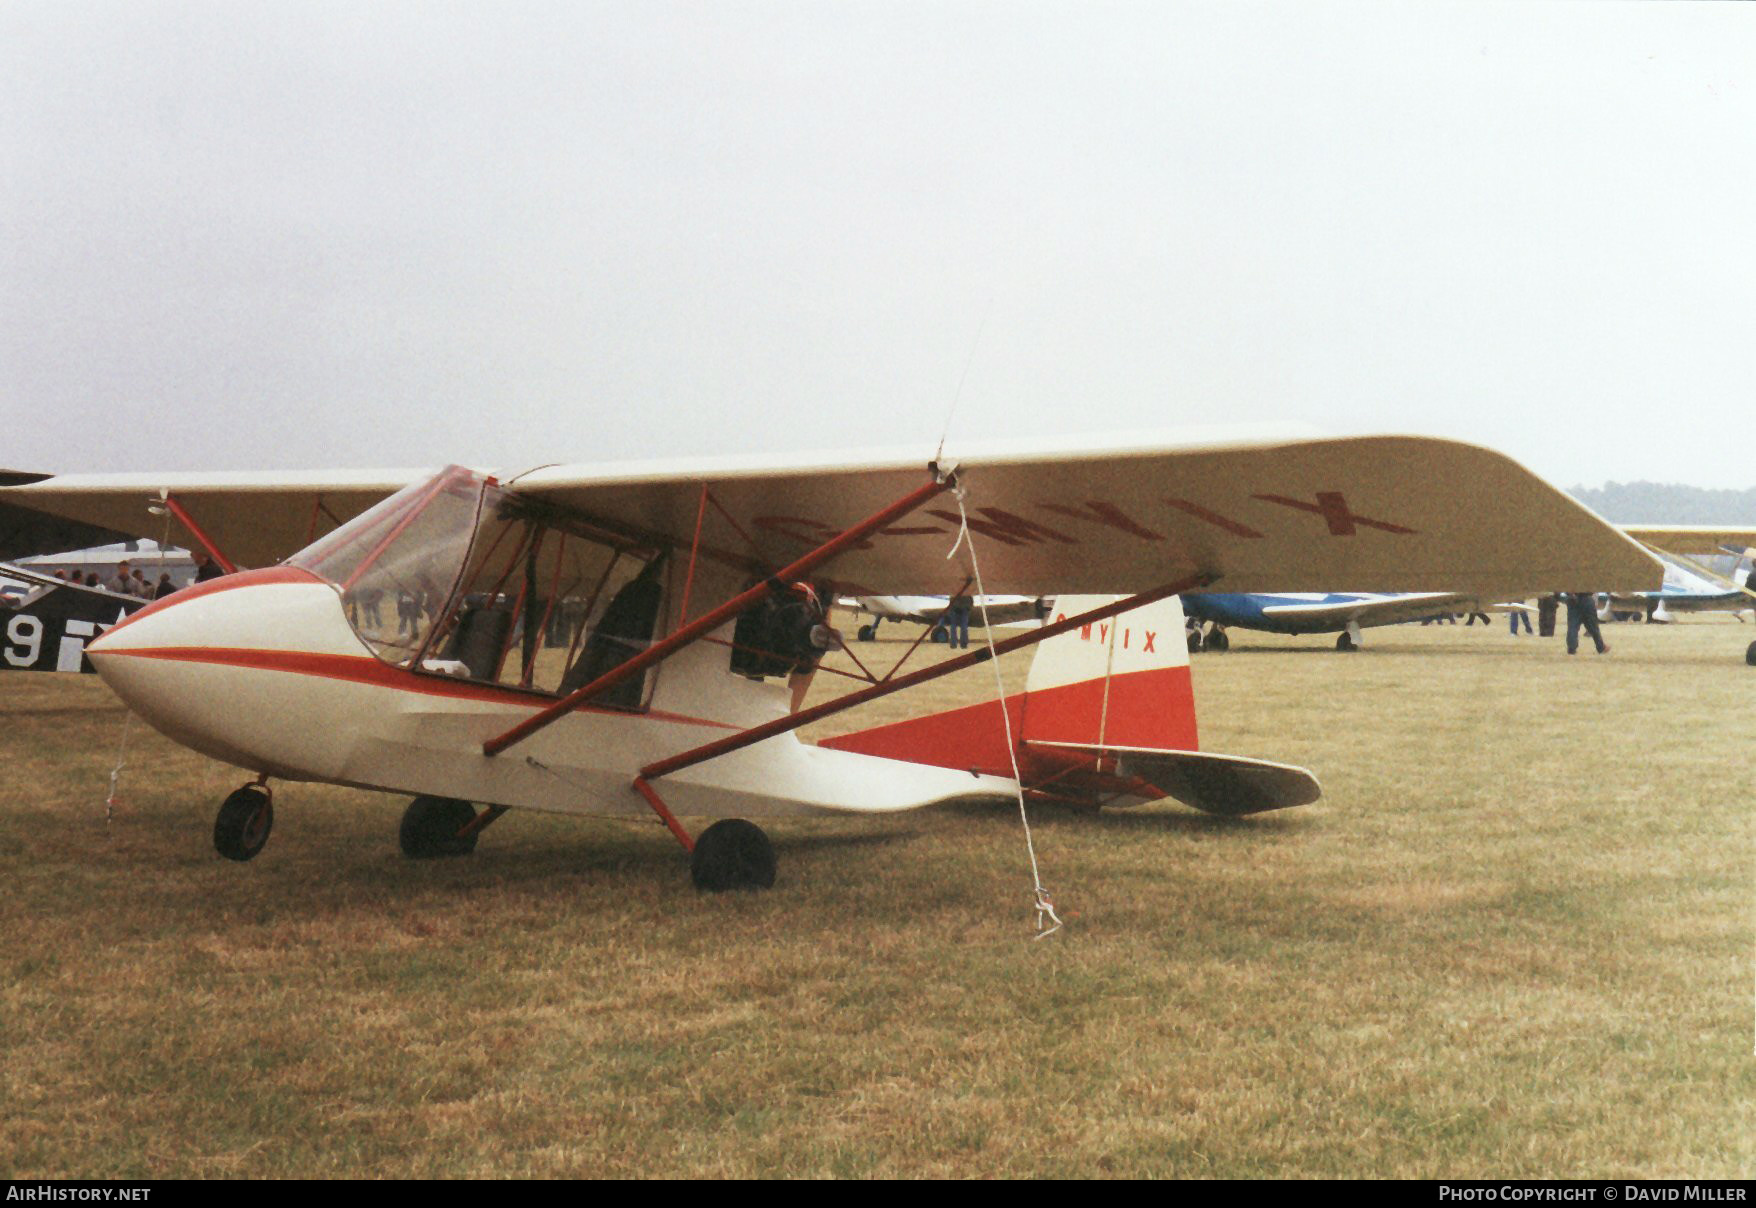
[244,820]
[730,854]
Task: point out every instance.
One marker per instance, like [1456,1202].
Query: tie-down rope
[111,800]
[1044,904]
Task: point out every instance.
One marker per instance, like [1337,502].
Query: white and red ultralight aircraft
[614,639]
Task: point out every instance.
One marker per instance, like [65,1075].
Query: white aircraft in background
[930,610]
[416,649]
[1689,586]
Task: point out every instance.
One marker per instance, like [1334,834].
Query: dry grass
[1514,939]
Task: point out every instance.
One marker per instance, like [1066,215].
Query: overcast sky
[252,234]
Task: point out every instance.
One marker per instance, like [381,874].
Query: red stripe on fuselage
[364,669]
[1151,710]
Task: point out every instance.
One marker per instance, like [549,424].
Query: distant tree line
[1667,503]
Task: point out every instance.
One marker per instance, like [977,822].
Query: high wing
[1692,538]
[1374,609]
[1380,513]
[257,518]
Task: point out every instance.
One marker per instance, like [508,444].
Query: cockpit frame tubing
[694,553]
[454,598]
[527,672]
[713,619]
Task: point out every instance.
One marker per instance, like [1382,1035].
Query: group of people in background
[132,581]
[1581,614]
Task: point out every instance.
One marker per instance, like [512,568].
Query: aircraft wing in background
[45,623]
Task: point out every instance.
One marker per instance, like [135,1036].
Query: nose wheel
[244,820]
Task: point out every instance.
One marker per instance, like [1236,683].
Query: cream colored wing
[1376,513]
[1253,513]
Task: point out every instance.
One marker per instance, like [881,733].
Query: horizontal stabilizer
[1217,784]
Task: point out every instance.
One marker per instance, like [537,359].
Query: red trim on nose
[244,578]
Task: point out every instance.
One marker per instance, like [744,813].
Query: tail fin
[1121,682]
[1117,683]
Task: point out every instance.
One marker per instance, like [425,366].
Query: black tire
[1194,640]
[939,635]
[1345,642]
[865,634]
[244,820]
[1750,655]
[732,854]
[1217,640]
[430,825]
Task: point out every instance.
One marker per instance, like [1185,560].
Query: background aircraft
[1690,586]
[1346,613]
[928,610]
[1687,587]
[45,622]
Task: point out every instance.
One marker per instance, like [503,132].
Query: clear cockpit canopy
[458,576]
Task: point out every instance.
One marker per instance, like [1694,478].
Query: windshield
[458,576]
[397,563]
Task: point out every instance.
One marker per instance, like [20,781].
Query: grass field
[1514,939]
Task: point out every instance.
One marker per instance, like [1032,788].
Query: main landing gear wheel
[245,818]
[1216,639]
[1750,655]
[732,854]
[430,826]
[1346,642]
[865,633]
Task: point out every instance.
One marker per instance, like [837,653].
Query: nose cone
[210,665]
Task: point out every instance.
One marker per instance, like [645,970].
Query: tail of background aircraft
[1107,717]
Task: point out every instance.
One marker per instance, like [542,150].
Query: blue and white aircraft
[1687,588]
[1344,612]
